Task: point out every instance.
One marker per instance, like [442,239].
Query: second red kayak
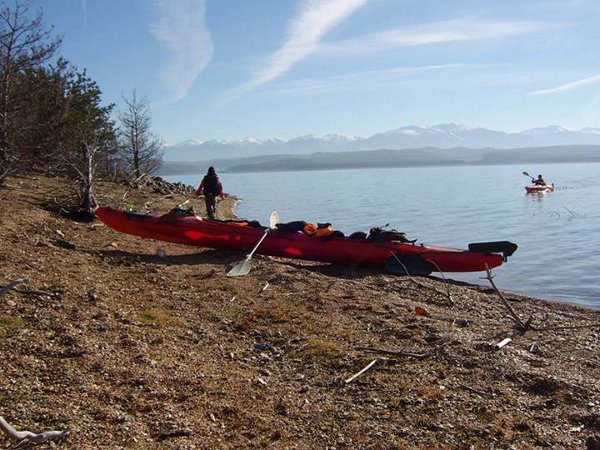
[539,189]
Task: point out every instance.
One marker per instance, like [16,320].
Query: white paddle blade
[240,269]
[274,219]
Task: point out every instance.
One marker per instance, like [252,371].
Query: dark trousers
[211,205]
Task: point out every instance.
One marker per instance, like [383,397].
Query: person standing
[210,187]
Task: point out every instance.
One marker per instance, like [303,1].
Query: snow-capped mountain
[443,136]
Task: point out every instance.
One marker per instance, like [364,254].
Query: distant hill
[443,136]
[428,156]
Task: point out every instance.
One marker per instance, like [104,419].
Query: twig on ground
[29,436]
[567,327]
[513,315]
[503,343]
[358,374]
[36,292]
[12,285]
[477,391]
[177,432]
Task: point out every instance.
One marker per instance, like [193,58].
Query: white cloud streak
[568,86]
[84,13]
[182,30]
[358,80]
[313,20]
[466,29]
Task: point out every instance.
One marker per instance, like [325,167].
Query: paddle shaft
[243,267]
[249,257]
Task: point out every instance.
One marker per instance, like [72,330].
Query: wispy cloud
[568,86]
[312,21]
[84,12]
[362,80]
[182,30]
[466,29]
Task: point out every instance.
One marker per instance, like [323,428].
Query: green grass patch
[321,349]
[158,317]
[11,322]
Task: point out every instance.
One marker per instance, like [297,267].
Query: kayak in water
[539,188]
[394,256]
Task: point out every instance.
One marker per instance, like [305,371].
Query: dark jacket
[210,185]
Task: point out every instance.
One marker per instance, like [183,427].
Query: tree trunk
[87,201]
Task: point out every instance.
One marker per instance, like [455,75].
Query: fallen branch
[12,285]
[513,315]
[36,292]
[503,343]
[569,327]
[29,436]
[177,432]
[395,352]
[477,391]
[358,374]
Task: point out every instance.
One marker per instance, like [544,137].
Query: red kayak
[395,256]
[539,188]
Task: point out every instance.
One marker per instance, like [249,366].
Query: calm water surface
[558,233]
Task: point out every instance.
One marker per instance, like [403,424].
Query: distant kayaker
[539,181]
[210,187]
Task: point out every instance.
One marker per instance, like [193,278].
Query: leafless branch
[512,314]
[12,285]
[358,374]
[29,436]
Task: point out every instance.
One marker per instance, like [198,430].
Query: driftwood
[358,374]
[37,292]
[503,343]
[476,391]
[12,285]
[28,436]
[177,432]
[568,327]
[523,326]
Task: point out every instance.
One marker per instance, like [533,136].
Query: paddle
[243,267]
[527,175]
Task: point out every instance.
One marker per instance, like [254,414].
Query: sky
[236,69]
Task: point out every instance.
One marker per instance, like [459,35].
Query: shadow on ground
[193,259]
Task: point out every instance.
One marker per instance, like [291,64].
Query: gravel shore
[137,344]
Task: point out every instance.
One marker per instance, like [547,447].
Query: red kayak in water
[394,256]
[539,188]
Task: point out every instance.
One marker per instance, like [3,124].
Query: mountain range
[446,144]
[443,136]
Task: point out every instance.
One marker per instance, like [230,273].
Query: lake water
[558,233]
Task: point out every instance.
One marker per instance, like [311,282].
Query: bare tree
[25,43]
[140,149]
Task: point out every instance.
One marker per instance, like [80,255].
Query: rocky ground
[131,350]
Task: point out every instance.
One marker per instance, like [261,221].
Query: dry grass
[127,347]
